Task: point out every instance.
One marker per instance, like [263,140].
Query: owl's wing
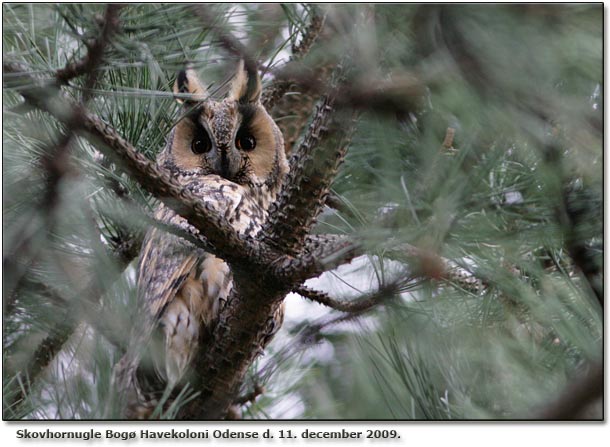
[166,262]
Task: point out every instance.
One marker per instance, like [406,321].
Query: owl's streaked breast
[208,281]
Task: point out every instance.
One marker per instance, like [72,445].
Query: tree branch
[402,95]
[279,87]
[249,397]
[360,305]
[307,185]
[89,63]
[320,254]
[227,40]
[222,239]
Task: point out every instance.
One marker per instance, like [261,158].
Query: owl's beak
[226,161]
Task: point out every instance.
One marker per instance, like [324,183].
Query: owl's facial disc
[234,138]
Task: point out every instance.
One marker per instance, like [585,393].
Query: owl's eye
[245,142]
[201,143]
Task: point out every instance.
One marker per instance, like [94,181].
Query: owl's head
[234,138]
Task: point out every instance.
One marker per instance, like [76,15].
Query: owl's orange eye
[201,144]
[245,142]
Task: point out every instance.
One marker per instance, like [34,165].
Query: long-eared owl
[230,154]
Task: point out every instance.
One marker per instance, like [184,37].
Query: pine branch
[357,306]
[307,185]
[250,397]
[226,39]
[95,52]
[222,239]
[55,162]
[402,95]
[279,87]
[320,254]
[84,306]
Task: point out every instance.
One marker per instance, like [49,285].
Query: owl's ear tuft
[246,85]
[187,82]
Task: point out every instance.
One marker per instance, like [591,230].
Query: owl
[229,154]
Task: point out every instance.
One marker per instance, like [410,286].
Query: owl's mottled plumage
[230,154]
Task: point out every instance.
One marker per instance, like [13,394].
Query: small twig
[280,86]
[321,253]
[226,39]
[312,332]
[402,95]
[95,51]
[360,305]
[249,397]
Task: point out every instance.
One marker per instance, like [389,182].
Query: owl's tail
[127,400]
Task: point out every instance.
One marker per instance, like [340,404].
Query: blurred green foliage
[517,190]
